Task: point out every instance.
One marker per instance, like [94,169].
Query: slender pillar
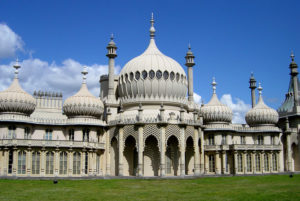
[262,159]
[294,74]
[206,164]
[182,151]
[70,162]
[202,151]
[196,148]
[5,161]
[218,163]
[56,162]
[254,162]
[224,164]
[163,152]
[235,163]
[28,161]
[111,54]
[190,63]
[121,149]
[15,162]
[271,161]
[252,87]
[245,162]
[43,162]
[107,152]
[140,151]
[288,133]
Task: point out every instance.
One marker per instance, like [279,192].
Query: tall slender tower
[111,54]
[252,87]
[294,74]
[189,58]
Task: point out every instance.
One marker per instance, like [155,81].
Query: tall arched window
[86,134]
[63,159]
[49,162]
[71,134]
[211,163]
[22,162]
[27,133]
[211,139]
[257,161]
[76,163]
[11,132]
[48,134]
[249,163]
[274,160]
[240,162]
[260,139]
[35,163]
[266,160]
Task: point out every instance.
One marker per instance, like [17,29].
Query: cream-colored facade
[145,123]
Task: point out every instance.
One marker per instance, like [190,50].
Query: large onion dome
[152,77]
[261,114]
[15,100]
[214,111]
[83,103]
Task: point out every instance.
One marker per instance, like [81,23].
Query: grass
[270,187]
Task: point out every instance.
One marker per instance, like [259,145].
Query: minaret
[252,87]
[111,54]
[189,58]
[294,74]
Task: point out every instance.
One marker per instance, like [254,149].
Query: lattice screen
[173,130]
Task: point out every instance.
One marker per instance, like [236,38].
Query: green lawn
[271,187]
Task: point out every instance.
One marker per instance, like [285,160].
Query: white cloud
[239,108]
[36,74]
[197,98]
[10,42]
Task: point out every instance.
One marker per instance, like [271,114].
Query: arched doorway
[114,157]
[172,157]
[151,157]
[189,156]
[296,157]
[131,157]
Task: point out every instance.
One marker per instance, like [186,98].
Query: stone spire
[214,84]
[152,29]
[17,66]
[189,62]
[84,73]
[252,87]
[294,76]
[111,47]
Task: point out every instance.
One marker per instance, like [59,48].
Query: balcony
[50,143]
[242,147]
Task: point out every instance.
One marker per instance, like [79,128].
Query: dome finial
[259,89]
[84,73]
[292,56]
[17,66]
[214,84]
[152,29]
[111,36]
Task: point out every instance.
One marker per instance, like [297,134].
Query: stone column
[15,162]
[235,163]
[218,163]
[28,161]
[56,162]
[70,162]
[83,162]
[245,162]
[289,152]
[182,151]
[5,161]
[271,161]
[262,160]
[197,154]
[162,151]
[202,151]
[206,164]
[278,161]
[90,162]
[43,162]
[254,162]
[224,163]
[121,149]
[107,152]
[140,150]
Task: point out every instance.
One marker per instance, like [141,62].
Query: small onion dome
[83,103]
[261,114]
[15,99]
[214,111]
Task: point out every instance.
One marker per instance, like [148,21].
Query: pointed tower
[111,54]
[252,87]
[189,58]
[294,76]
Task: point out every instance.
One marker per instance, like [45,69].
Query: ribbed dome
[83,103]
[15,99]
[214,111]
[152,76]
[261,114]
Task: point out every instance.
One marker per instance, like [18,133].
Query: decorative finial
[189,46]
[17,66]
[259,89]
[152,29]
[84,73]
[252,75]
[214,84]
[111,36]
[292,56]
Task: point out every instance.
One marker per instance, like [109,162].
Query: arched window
[243,139]
[48,134]
[71,134]
[137,75]
[177,76]
[26,133]
[35,163]
[76,163]
[266,160]
[22,162]
[131,76]
[151,74]
[240,162]
[272,139]
[49,162]
[274,160]
[144,73]
[11,132]
[63,159]
[260,140]
[166,75]
[126,77]
[249,163]
[211,139]
[257,161]
[158,74]
[211,163]
[172,75]
[86,134]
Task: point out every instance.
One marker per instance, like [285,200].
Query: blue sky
[230,39]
